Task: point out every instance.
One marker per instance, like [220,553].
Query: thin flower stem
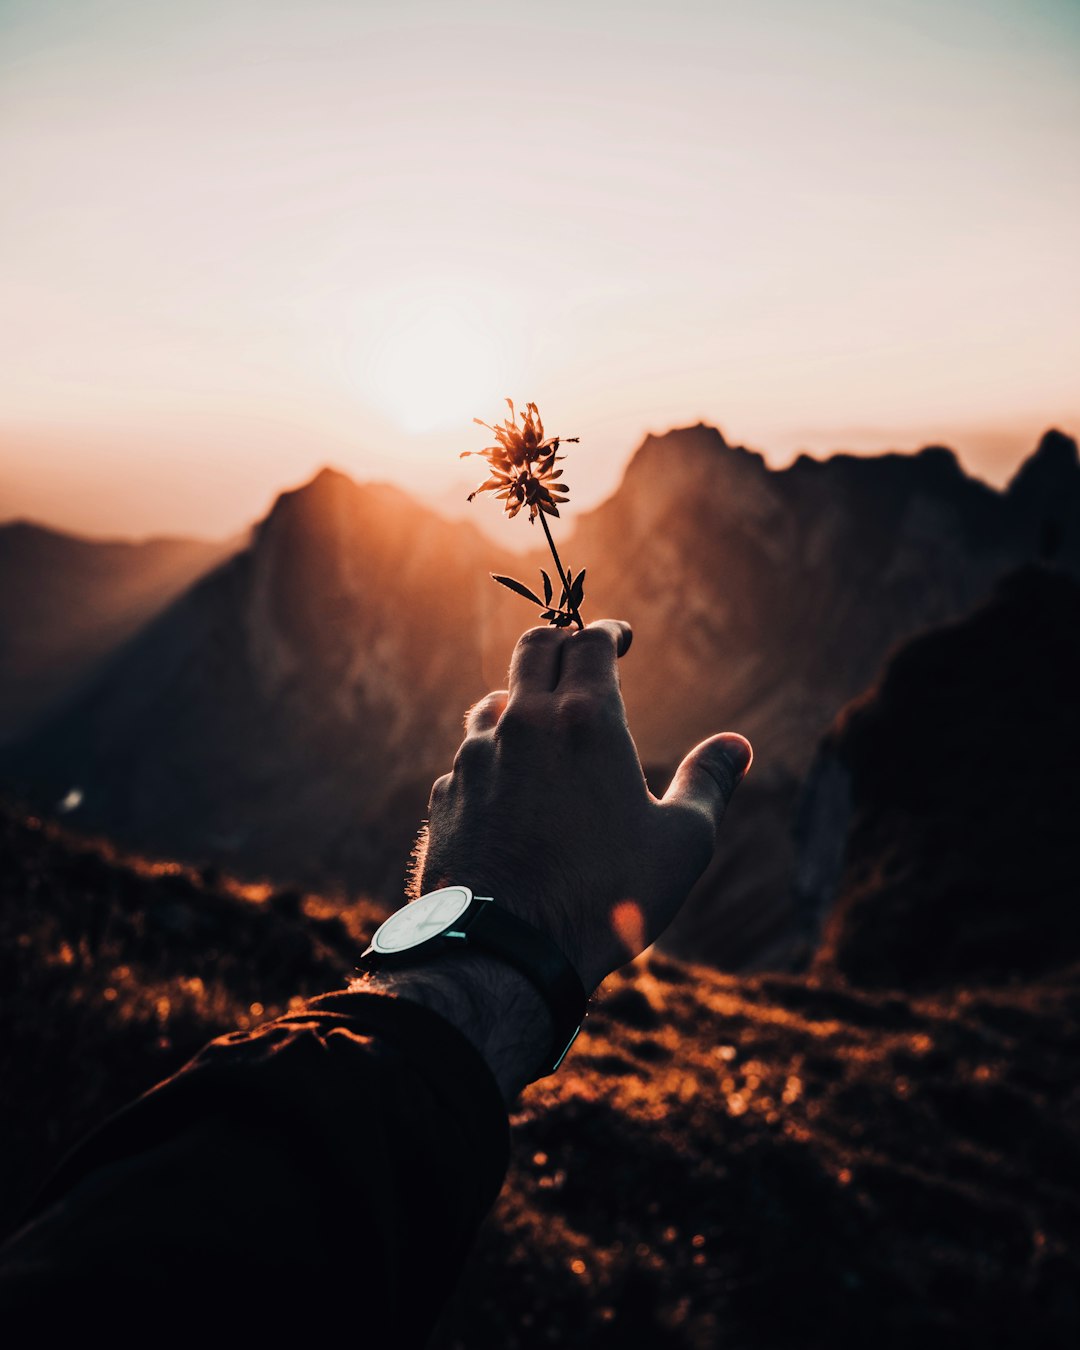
[559,569]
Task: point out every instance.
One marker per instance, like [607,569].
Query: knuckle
[475,710]
[533,638]
[720,769]
[440,790]
[517,722]
[484,711]
[600,638]
[579,711]
[470,754]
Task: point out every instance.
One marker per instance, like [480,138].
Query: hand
[547,809]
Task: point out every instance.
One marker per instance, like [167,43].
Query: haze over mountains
[288,711]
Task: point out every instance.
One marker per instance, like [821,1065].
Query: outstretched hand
[547,809]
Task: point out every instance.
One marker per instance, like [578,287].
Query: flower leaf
[547,587]
[577,590]
[518,587]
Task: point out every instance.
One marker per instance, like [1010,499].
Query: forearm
[332,1153]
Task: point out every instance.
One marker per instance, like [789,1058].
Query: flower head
[522,464]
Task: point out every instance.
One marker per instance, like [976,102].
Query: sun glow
[241,250]
[433,364]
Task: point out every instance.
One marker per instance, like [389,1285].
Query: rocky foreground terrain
[882,1152]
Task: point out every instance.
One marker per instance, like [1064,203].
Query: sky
[240,239]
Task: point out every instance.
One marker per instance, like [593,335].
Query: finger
[482,716]
[707,778]
[534,666]
[589,656]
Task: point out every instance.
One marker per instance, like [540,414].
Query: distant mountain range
[287,712]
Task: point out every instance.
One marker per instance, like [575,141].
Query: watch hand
[429,925]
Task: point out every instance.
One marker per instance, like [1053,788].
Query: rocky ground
[760,1162]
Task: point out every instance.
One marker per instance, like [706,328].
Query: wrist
[543,907]
[453,920]
[494,1006]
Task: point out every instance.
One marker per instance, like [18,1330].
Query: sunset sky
[242,238]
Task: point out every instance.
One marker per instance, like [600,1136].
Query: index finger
[534,666]
[590,654]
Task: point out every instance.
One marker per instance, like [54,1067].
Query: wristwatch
[453,917]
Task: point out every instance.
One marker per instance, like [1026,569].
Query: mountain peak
[942,458]
[329,478]
[1055,463]
[323,498]
[671,460]
[1056,446]
[701,438]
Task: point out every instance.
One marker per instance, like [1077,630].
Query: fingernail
[739,753]
[623,637]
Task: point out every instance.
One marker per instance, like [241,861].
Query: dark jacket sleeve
[324,1174]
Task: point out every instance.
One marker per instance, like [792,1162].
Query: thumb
[707,778]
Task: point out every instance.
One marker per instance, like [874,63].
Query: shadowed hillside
[884,1152]
[960,776]
[66,603]
[286,714]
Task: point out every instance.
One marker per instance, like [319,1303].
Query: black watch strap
[494,929]
[453,917]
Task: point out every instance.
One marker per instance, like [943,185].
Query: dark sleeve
[323,1174]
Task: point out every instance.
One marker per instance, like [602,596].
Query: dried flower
[522,464]
[523,473]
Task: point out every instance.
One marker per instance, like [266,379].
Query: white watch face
[425,918]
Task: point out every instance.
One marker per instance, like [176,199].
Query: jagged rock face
[66,602]
[1045,494]
[285,714]
[763,602]
[289,713]
[959,848]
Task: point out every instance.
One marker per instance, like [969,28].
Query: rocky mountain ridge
[287,714]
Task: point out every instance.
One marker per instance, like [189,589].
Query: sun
[432,364]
